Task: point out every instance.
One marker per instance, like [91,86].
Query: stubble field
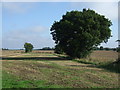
[45,69]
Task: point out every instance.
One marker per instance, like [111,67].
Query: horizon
[49,47]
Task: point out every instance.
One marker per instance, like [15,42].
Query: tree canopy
[79,31]
[28,47]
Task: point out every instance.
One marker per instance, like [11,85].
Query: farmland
[45,69]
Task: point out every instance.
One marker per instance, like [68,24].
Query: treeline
[46,48]
[107,49]
[5,49]
[95,48]
[10,49]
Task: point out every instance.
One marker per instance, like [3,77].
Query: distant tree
[5,49]
[114,49]
[118,49]
[101,48]
[79,31]
[107,49]
[47,48]
[28,47]
[118,43]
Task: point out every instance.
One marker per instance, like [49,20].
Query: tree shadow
[35,58]
[83,65]
[111,66]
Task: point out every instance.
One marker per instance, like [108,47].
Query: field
[45,69]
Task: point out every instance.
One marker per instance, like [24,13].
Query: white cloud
[37,35]
[111,43]
[39,29]
[17,7]
[109,9]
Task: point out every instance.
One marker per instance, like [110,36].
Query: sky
[31,21]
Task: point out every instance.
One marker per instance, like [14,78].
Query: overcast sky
[31,21]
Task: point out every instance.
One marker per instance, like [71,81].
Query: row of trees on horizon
[52,48]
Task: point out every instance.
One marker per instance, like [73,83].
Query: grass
[102,59]
[113,67]
[63,73]
[10,81]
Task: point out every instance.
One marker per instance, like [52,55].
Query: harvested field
[47,70]
[104,56]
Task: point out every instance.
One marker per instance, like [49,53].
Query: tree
[101,48]
[118,49]
[118,43]
[28,47]
[58,50]
[79,31]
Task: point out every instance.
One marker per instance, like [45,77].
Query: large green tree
[79,31]
[28,47]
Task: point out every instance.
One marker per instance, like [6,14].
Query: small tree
[118,43]
[118,49]
[78,32]
[101,48]
[28,47]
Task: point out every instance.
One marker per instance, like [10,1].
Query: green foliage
[5,49]
[58,49]
[109,65]
[118,50]
[28,47]
[11,81]
[78,32]
[114,67]
[47,48]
